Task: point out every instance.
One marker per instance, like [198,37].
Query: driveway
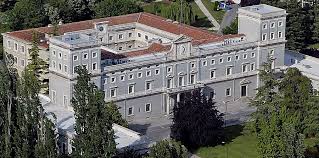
[229,16]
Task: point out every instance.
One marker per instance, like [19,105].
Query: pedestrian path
[207,14]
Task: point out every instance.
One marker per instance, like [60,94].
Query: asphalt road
[229,16]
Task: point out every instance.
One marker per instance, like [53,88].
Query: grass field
[218,15]
[243,144]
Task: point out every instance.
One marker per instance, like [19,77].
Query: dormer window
[120,36]
[110,38]
[101,28]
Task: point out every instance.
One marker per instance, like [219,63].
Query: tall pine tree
[94,134]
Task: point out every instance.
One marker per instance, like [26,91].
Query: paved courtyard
[158,129]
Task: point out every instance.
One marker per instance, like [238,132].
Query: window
[192,79]
[279,34]
[148,107]
[228,92]
[272,25]
[53,64]
[272,52]
[264,37]
[113,92]
[181,81]
[60,66]
[221,60]
[110,38]
[130,111]
[120,36]
[169,83]
[130,76]
[105,80]
[264,26]
[131,88]
[228,71]
[60,55]
[236,57]
[212,74]
[252,66]
[120,48]
[148,73]
[169,69]
[22,63]
[204,63]
[65,68]
[15,60]
[148,85]
[53,53]
[139,34]
[272,35]
[130,34]
[65,100]
[243,92]
[157,71]
[212,62]
[113,79]
[228,59]
[244,68]
[193,65]
[15,46]
[253,55]
[212,94]
[53,96]
[280,23]
[65,56]
[9,44]
[245,56]
[75,58]
[94,66]
[130,46]
[22,49]
[146,37]
[139,75]
[94,55]
[85,56]
[85,66]
[122,78]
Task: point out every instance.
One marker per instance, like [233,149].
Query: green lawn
[242,145]
[218,15]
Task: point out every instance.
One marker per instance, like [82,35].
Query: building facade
[146,64]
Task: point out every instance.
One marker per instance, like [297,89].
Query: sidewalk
[207,14]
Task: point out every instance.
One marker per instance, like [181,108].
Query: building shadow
[140,128]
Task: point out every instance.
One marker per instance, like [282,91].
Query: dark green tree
[27,14]
[94,134]
[197,122]
[180,11]
[116,116]
[168,149]
[274,125]
[6,5]
[107,8]
[82,9]
[38,65]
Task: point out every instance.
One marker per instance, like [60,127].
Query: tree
[197,122]
[180,11]
[276,133]
[34,133]
[6,5]
[232,29]
[168,149]
[115,115]
[37,65]
[107,8]
[7,102]
[93,126]
[82,9]
[27,14]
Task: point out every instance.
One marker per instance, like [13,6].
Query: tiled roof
[154,48]
[143,18]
